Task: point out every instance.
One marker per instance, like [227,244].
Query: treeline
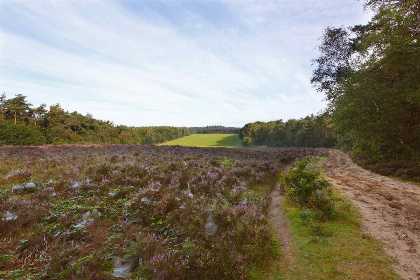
[312,131]
[371,77]
[23,124]
[214,129]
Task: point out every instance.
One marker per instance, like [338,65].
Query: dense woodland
[312,131]
[371,77]
[23,124]
[214,129]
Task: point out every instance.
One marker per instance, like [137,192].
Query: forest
[311,131]
[23,124]
[214,129]
[370,75]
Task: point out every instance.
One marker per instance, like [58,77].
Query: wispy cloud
[168,62]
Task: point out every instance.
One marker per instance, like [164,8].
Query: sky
[178,63]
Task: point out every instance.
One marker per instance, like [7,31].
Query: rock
[9,216]
[83,224]
[76,185]
[17,187]
[190,194]
[210,228]
[112,194]
[27,186]
[145,200]
[13,173]
[51,181]
[87,219]
[123,269]
[30,185]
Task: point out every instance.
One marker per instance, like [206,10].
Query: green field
[207,140]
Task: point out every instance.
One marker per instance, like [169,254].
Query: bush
[20,135]
[305,188]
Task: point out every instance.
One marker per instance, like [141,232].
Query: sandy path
[280,224]
[279,221]
[390,210]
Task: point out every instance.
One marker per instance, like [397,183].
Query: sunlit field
[207,140]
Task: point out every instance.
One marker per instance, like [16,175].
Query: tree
[3,105]
[39,113]
[17,107]
[370,76]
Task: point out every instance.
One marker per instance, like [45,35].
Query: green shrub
[20,135]
[305,187]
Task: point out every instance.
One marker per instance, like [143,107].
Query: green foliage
[37,126]
[305,188]
[20,135]
[214,129]
[370,76]
[227,164]
[311,131]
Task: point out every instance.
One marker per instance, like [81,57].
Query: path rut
[279,221]
[280,224]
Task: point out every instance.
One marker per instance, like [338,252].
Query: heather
[142,212]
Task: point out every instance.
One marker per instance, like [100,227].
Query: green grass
[207,140]
[333,249]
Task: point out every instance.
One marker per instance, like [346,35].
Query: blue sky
[181,63]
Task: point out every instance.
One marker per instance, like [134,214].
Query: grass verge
[333,249]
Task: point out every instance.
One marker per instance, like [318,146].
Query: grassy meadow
[207,140]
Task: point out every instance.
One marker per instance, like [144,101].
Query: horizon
[185,64]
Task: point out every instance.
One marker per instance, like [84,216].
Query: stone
[30,185]
[112,194]
[9,216]
[13,173]
[123,269]
[75,185]
[210,228]
[145,200]
[17,187]
[27,186]
[87,219]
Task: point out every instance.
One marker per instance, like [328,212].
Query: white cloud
[141,68]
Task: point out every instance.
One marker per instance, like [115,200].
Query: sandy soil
[279,223]
[390,210]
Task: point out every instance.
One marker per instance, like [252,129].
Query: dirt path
[279,223]
[390,210]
